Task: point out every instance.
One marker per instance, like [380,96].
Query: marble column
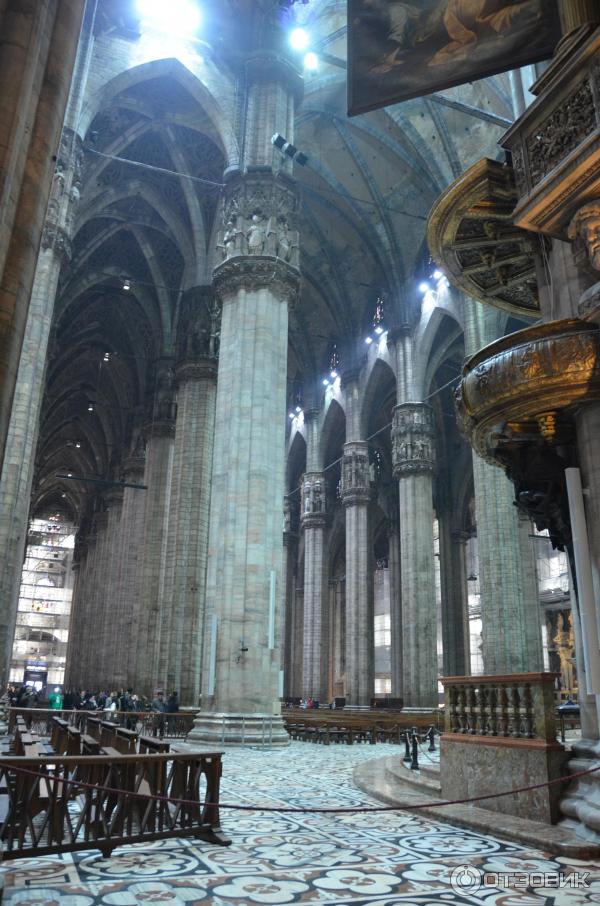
[588,433]
[356,494]
[255,283]
[291,663]
[509,602]
[180,662]
[109,654]
[455,592]
[81,554]
[17,471]
[315,634]
[413,458]
[124,629]
[314,521]
[90,649]
[38,46]
[150,622]
[395,600]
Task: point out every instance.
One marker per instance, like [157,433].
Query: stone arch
[220,122]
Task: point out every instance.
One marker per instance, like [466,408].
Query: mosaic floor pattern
[378,859]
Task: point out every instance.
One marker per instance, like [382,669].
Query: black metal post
[414,764]
[407,757]
[431,735]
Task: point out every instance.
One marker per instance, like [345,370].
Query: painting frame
[530,41]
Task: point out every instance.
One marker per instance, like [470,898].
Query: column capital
[255,273]
[203,368]
[313,500]
[356,486]
[460,536]
[413,440]
[133,467]
[164,427]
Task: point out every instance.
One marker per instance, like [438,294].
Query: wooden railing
[44,815]
[517,706]
[176,726]
[325,726]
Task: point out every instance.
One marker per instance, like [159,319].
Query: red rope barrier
[302,809]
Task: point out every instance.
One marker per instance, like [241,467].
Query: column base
[225,729]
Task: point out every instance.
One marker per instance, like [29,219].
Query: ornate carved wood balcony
[471,236]
[515,404]
[555,144]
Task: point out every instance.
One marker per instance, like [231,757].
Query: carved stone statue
[586,226]
[256,235]
[229,240]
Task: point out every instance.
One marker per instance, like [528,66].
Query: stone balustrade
[518,706]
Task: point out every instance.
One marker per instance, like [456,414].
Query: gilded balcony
[523,386]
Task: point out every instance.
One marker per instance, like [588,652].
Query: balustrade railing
[517,706]
[44,815]
[149,723]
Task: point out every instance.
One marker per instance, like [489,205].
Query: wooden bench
[125,741]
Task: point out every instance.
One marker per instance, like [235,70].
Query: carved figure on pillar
[356,486]
[413,439]
[585,227]
[313,499]
[257,215]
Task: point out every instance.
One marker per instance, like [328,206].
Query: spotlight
[78,445]
[369,340]
[174,16]
[334,374]
[424,287]
[127,285]
[325,382]
[278,140]
[299,39]
[69,474]
[292,415]
[63,495]
[90,407]
[311,61]
[437,275]
[379,330]
[298,408]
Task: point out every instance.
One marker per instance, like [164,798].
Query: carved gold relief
[472,237]
[523,385]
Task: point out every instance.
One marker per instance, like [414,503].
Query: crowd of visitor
[86,700]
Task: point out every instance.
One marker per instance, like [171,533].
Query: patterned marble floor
[378,859]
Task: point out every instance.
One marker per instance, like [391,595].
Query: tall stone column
[255,283]
[38,46]
[413,458]
[80,565]
[90,649]
[130,556]
[291,664]
[395,600]
[356,494]
[180,661]
[109,654]
[509,603]
[17,470]
[151,620]
[455,597]
[313,521]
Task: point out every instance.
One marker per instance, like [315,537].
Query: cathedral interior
[297,406]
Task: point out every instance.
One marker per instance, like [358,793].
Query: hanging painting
[399,50]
